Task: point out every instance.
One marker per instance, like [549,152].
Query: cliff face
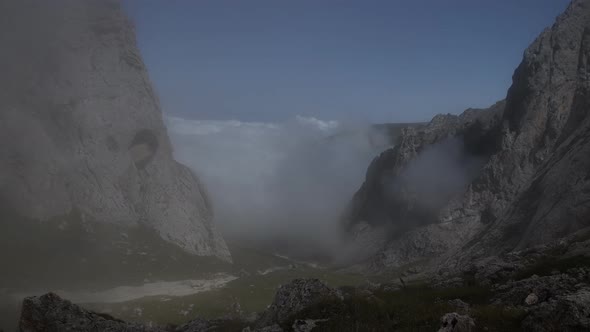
[538,187]
[534,184]
[81,127]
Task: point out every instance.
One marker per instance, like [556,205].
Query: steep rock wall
[81,126]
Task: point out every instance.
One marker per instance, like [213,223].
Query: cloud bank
[278,185]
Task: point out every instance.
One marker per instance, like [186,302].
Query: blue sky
[368,61]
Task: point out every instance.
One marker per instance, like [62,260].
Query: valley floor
[245,288]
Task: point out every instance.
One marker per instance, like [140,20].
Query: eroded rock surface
[81,126]
[50,313]
[533,187]
[563,313]
[453,322]
[294,297]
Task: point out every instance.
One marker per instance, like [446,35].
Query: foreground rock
[50,313]
[81,127]
[562,313]
[453,322]
[295,296]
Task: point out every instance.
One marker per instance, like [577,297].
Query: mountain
[82,131]
[489,210]
[524,164]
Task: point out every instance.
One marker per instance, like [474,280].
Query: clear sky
[363,60]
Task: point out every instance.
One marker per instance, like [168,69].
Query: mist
[281,186]
[438,174]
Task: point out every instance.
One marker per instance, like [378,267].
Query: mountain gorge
[477,221]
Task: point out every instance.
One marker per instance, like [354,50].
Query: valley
[118,213]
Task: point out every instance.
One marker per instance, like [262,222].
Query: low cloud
[283,185]
[438,174]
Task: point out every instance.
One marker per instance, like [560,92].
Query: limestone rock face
[81,126]
[534,185]
[537,188]
[407,187]
[375,203]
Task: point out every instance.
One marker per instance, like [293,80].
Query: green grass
[46,256]
[254,293]
[66,253]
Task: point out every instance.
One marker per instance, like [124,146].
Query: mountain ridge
[541,127]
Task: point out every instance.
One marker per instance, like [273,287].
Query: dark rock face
[81,126]
[534,186]
[408,186]
[294,297]
[563,313]
[375,203]
[538,289]
[453,322]
[49,313]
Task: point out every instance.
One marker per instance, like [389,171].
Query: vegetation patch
[415,308]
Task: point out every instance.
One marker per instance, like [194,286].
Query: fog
[439,173]
[281,186]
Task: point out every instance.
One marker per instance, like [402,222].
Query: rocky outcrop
[407,187]
[295,296]
[453,322]
[386,196]
[563,313]
[81,127]
[50,313]
[533,186]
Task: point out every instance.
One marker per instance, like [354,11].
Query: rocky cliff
[532,185]
[81,127]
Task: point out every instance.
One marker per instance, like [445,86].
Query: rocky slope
[81,127]
[558,301]
[533,186]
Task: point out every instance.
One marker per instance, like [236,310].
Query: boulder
[563,313]
[453,322]
[294,297]
[50,313]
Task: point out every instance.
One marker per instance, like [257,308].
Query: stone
[294,297]
[453,322]
[531,299]
[272,328]
[306,325]
[50,313]
[563,313]
[536,289]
